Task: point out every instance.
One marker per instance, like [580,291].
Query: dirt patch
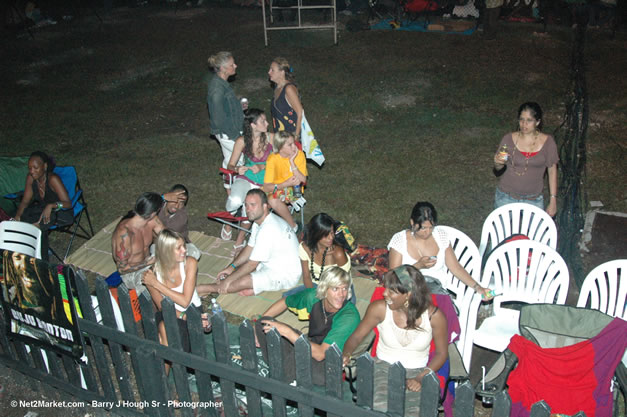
[133,74]
[391,101]
[256,84]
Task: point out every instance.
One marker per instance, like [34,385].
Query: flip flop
[224,234]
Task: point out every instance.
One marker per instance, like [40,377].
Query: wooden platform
[95,256]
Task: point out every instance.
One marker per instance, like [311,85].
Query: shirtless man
[132,237]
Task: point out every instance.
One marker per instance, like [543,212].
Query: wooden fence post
[149,372]
[429,395]
[540,409]
[502,405]
[174,341]
[129,327]
[250,363]
[302,352]
[199,348]
[223,354]
[365,380]
[275,362]
[333,372]
[101,365]
[464,404]
[117,352]
[396,390]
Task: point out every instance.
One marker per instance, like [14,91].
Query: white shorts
[226,145]
[266,279]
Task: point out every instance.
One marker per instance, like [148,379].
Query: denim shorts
[501,198]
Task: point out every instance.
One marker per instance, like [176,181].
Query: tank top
[409,347]
[49,195]
[283,115]
[250,160]
[195,298]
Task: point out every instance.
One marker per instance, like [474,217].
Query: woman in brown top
[521,161]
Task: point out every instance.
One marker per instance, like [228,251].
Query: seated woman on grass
[407,322]
[285,169]
[173,276]
[332,318]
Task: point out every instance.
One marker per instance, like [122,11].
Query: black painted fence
[124,371]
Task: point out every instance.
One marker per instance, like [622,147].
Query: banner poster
[36,300]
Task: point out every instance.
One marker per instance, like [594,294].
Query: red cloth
[569,379]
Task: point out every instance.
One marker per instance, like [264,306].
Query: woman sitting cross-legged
[427,247]
[285,169]
[320,249]
[174,276]
[407,322]
[255,145]
[332,318]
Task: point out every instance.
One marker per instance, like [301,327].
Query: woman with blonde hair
[287,110]
[332,318]
[286,168]
[173,276]
[226,116]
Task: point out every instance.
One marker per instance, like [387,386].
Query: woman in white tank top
[407,323]
[173,276]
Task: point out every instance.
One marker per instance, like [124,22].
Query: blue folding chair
[72,185]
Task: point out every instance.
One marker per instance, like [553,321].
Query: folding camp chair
[556,332]
[229,219]
[72,185]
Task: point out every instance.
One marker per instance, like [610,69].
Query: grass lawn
[401,116]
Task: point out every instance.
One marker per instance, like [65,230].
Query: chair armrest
[496,377]
[14,196]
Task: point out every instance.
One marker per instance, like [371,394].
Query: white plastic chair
[21,237]
[605,289]
[522,271]
[517,218]
[466,299]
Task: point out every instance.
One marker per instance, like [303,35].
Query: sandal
[224,234]
[240,246]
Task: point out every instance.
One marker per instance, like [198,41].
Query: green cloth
[345,321]
[13,171]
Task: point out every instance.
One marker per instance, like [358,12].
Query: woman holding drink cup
[521,161]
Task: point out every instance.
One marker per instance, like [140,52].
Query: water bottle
[215,307]
[297,192]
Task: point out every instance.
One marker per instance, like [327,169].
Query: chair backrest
[69,178]
[466,299]
[605,289]
[517,218]
[20,237]
[526,271]
[552,325]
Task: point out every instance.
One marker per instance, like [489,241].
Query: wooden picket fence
[124,371]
